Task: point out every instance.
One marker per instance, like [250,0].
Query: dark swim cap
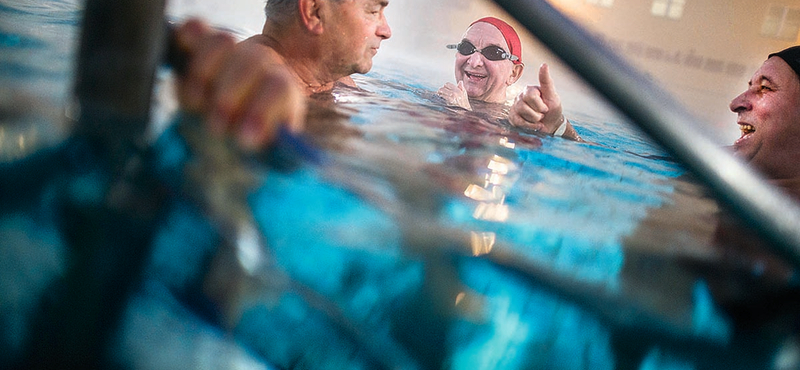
[791,56]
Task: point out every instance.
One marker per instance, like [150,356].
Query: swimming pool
[424,237]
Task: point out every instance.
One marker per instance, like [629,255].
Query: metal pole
[774,215]
[122,42]
[108,237]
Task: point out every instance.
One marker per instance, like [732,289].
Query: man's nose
[739,103]
[384,31]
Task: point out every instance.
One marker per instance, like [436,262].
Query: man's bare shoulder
[262,45]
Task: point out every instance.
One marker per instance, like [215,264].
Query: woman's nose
[475,59]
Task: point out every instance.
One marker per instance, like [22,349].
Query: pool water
[37,42]
[423,236]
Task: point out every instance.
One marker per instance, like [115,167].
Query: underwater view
[396,232]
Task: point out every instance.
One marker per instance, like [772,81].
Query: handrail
[108,237]
[775,216]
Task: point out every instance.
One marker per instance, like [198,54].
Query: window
[603,3]
[668,8]
[781,22]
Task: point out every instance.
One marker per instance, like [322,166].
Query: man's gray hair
[280,9]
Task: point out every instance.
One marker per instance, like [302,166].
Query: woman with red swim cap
[488,61]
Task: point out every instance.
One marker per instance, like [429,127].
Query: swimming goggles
[491,52]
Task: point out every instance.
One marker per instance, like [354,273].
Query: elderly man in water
[769,117]
[488,61]
[251,88]
[768,114]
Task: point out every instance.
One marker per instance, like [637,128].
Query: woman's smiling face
[485,79]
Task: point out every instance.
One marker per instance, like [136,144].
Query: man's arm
[241,89]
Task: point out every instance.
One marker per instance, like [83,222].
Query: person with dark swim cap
[768,114]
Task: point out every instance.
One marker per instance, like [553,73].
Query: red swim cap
[512,39]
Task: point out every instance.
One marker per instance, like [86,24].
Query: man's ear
[516,73]
[310,15]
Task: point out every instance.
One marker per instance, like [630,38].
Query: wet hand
[241,89]
[538,108]
[455,95]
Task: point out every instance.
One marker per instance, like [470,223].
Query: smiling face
[769,117]
[354,34]
[485,79]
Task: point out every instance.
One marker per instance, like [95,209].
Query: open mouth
[746,129]
[474,76]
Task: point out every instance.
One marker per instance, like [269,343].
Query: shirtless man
[769,118]
[768,114]
[251,88]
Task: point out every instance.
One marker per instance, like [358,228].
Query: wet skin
[769,117]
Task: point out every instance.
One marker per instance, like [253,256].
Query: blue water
[37,43]
[386,253]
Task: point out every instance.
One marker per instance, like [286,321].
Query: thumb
[461,85]
[546,82]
